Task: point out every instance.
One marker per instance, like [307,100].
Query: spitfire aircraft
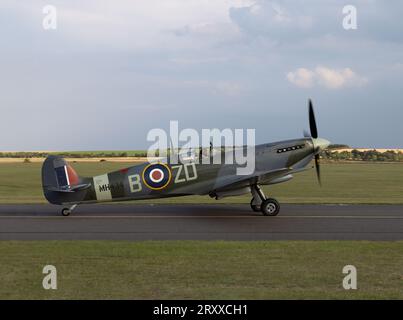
[274,163]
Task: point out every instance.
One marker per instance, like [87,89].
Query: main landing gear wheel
[255,207]
[270,207]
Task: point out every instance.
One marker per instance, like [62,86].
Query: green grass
[373,183]
[201,270]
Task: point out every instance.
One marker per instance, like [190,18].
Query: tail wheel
[270,207]
[66,212]
[254,207]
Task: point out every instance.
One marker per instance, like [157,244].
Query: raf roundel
[157,176]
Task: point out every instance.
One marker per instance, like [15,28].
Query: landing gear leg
[66,211]
[254,207]
[259,202]
[257,198]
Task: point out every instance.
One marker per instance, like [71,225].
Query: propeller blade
[312,121]
[317,166]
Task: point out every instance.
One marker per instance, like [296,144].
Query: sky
[113,70]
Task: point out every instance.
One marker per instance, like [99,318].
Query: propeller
[317,167]
[314,135]
[312,121]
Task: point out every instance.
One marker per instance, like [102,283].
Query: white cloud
[283,20]
[326,77]
[301,77]
[150,24]
[269,18]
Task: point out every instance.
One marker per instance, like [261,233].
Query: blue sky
[113,70]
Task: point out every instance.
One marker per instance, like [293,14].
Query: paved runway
[201,222]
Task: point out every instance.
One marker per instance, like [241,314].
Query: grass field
[379,183]
[201,270]
[211,269]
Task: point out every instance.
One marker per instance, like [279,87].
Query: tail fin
[59,178]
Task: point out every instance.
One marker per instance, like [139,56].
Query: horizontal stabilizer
[70,189]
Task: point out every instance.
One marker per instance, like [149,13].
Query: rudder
[59,179]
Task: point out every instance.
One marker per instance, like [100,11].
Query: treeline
[331,154]
[368,155]
[23,155]
[97,154]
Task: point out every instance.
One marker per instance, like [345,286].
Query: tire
[254,207]
[66,212]
[270,207]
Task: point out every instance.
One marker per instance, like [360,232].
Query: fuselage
[191,177]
